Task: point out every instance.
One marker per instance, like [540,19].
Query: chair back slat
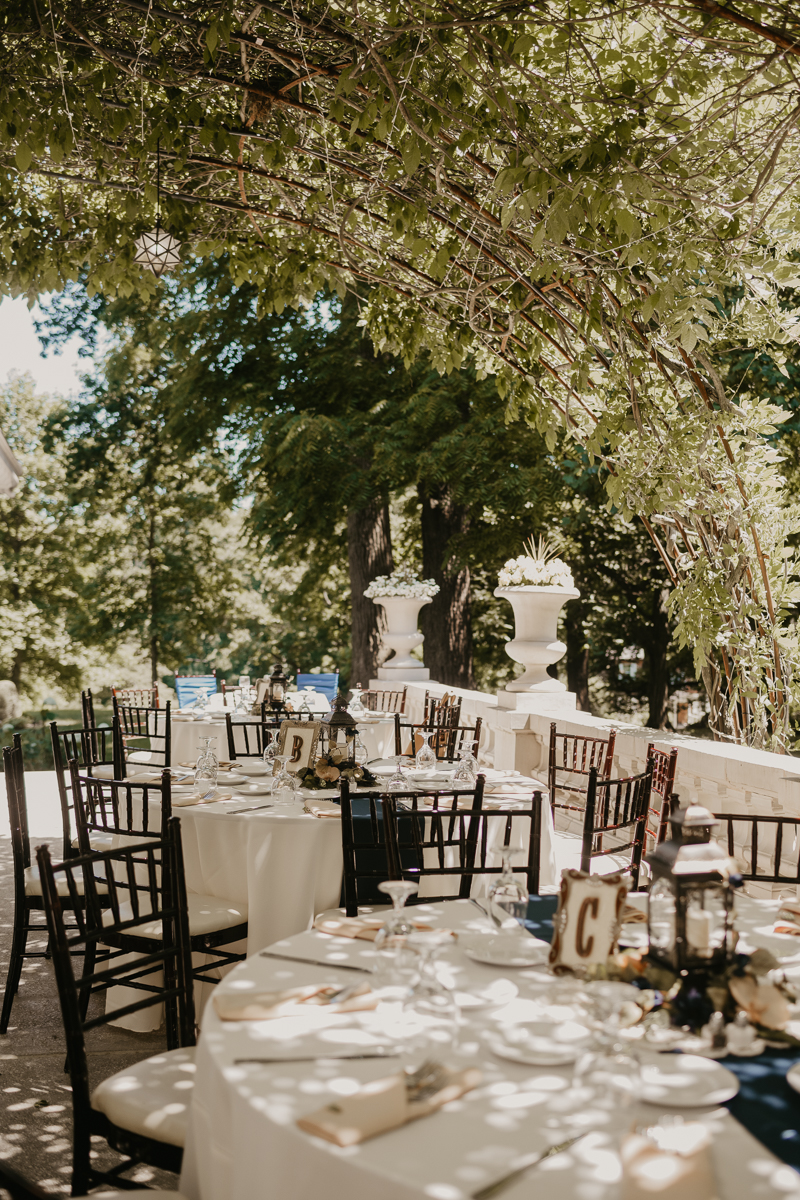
[664,767]
[388,701]
[777,838]
[153,725]
[136,697]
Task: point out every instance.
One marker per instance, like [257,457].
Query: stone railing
[723,777]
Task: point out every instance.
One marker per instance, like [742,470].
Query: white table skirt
[378,737]
[243,1141]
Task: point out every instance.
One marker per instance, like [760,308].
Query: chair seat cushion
[152,1097]
[101,770]
[33,884]
[207,914]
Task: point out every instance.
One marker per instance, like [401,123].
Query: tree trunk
[447,621]
[656,651]
[16,668]
[151,566]
[577,653]
[369,554]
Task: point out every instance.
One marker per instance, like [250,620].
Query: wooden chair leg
[19,942]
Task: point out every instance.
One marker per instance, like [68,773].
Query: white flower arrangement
[402,582]
[537,568]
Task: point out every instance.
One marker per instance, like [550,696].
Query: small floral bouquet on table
[752,984]
[538,568]
[333,766]
[402,582]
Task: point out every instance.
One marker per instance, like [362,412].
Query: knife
[532,1160]
[315,962]
[388,1053]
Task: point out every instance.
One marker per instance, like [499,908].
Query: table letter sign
[588,919]
[298,739]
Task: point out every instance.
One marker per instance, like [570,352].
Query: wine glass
[395,965]
[284,784]
[467,770]
[360,753]
[398,781]
[270,748]
[206,769]
[426,756]
[430,1006]
[508,892]
[355,707]
[613,1073]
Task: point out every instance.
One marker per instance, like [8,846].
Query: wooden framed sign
[299,740]
[587,921]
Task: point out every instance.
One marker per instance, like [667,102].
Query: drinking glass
[270,747]
[355,707]
[467,769]
[508,891]
[425,756]
[613,1073]
[395,966]
[284,784]
[429,1004]
[206,769]
[360,752]
[398,781]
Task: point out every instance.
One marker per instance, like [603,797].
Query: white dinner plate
[253,789]
[382,771]
[244,767]
[793,1077]
[493,995]
[501,950]
[540,1044]
[686,1081]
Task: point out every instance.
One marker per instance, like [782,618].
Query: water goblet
[430,1007]
[395,967]
[360,753]
[284,784]
[356,707]
[612,1073]
[398,781]
[270,748]
[426,756]
[206,769]
[508,892]
[467,770]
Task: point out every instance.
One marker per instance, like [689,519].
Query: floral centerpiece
[538,568]
[331,767]
[402,582]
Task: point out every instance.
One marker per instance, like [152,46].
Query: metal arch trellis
[453,186]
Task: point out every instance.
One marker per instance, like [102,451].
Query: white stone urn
[402,636]
[536,643]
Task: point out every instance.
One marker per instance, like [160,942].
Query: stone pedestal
[397,676]
[526,702]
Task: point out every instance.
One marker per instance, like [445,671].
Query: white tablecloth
[378,737]
[243,1141]
[186,737]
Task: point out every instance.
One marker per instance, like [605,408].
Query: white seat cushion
[101,771]
[143,756]
[98,841]
[207,914]
[152,1097]
[33,884]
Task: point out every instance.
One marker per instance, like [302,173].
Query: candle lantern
[690,903]
[340,727]
[278,683]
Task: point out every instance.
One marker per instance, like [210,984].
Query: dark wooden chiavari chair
[573,754]
[146,734]
[145,911]
[764,836]
[136,697]
[20,1188]
[120,809]
[97,751]
[28,899]
[664,765]
[616,808]
[447,742]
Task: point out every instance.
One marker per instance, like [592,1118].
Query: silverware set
[315,962]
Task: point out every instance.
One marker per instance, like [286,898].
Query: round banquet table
[243,1140]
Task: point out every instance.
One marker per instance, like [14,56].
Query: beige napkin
[673,1163]
[788,920]
[365,928]
[260,1006]
[323,808]
[380,1106]
[633,916]
[196,798]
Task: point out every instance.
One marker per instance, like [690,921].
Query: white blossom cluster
[401,583]
[526,572]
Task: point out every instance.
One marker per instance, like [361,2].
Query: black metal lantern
[690,903]
[278,685]
[340,727]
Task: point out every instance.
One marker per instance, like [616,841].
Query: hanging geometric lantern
[158,251]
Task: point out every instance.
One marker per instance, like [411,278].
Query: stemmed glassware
[355,707]
[398,781]
[359,752]
[508,892]
[284,784]
[395,966]
[429,1002]
[206,769]
[467,770]
[426,756]
[611,1067]
[270,747]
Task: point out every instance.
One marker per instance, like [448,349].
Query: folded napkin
[633,916]
[788,920]
[323,808]
[197,798]
[261,1006]
[669,1162]
[382,1105]
[364,928]
[516,785]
